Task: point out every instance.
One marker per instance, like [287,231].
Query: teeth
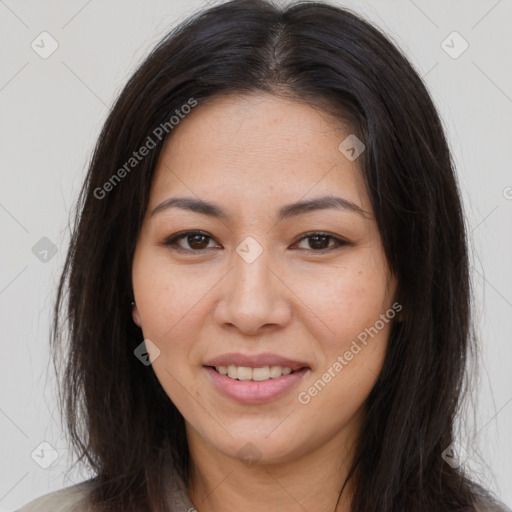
[257,374]
[261,373]
[277,371]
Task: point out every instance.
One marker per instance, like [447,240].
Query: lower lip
[255,392]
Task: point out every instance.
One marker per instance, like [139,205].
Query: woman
[267,284]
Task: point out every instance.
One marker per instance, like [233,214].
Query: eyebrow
[286,212]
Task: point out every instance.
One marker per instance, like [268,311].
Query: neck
[310,482]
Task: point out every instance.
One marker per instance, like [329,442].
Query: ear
[136,315]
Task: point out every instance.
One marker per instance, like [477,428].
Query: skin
[251,155]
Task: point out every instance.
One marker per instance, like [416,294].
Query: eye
[198,241]
[319,241]
[195,241]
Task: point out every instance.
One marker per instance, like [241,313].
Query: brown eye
[189,241]
[197,241]
[319,242]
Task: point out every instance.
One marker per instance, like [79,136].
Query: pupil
[315,244]
[197,239]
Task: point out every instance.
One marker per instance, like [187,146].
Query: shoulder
[74,498]
[486,502]
[68,499]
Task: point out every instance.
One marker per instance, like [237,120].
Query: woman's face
[267,285]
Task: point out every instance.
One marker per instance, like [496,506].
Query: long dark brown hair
[120,421]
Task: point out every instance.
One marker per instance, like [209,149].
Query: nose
[254,297]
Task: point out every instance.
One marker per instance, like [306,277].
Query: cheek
[351,365]
[167,299]
[167,295]
[350,301]
[346,299]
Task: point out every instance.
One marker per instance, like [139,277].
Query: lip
[255,361]
[254,392]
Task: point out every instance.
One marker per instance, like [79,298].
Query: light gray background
[51,113]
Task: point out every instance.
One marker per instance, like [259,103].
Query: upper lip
[255,361]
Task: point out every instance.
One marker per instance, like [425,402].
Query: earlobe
[135,315]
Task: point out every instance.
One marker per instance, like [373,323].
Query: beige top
[71,499]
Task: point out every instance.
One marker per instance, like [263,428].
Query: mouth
[258,374]
[253,385]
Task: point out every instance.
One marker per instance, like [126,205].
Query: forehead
[257,146]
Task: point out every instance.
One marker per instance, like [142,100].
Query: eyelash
[171,242]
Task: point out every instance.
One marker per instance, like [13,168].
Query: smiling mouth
[259,374]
